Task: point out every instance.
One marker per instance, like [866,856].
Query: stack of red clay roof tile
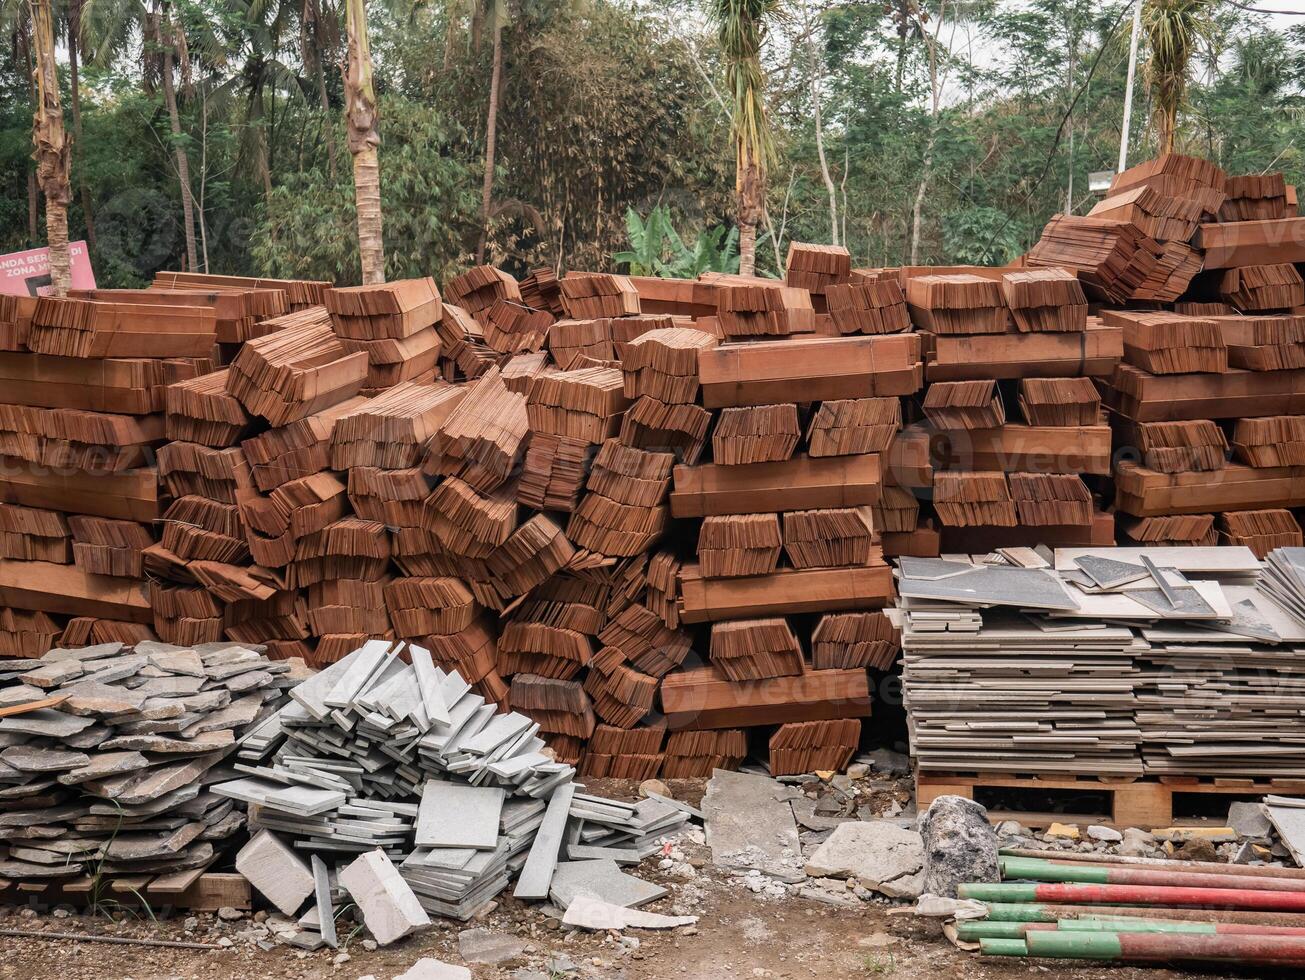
[480,287]
[1255,197]
[591,295]
[964,405]
[813,746]
[1274,440]
[690,754]
[760,434]
[849,641]
[1260,530]
[1046,301]
[1180,447]
[763,308]
[816,268]
[1162,217]
[1170,343]
[868,307]
[1059,402]
[1263,287]
[1113,259]
[618,753]
[1264,342]
[957,304]
[1176,175]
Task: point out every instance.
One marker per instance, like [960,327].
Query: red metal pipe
[1187,867]
[1235,898]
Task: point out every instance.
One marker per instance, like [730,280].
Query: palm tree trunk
[364,137]
[747,249]
[165,40]
[491,140]
[74,38]
[750,193]
[52,147]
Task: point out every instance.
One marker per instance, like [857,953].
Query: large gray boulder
[960,845]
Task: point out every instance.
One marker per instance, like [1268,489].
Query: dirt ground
[739,935]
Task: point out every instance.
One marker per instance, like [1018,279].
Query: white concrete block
[389,908]
[280,875]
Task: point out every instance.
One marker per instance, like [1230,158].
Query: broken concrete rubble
[879,855]
[750,825]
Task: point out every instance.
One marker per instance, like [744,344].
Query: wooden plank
[78,886]
[1229,244]
[1093,352]
[129,884]
[704,699]
[799,483]
[1143,803]
[909,463]
[176,883]
[216,890]
[1234,394]
[66,589]
[127,387]
[1016,447]
[130,495]
[923,542]
[1147,493]
[784,592]
[810,369]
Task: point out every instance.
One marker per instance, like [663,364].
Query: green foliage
[612,106]
[428,201]
[980,236]
[656,248]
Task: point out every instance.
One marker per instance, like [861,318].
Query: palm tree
[52,154]
[364,137]
[494,11]
[740,29]
[1173,29]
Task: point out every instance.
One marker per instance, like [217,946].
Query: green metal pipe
[1037,869]
[973,931]
[1184,867]
[1053,911]
[1255,950]
[1159,895]
[1003,947]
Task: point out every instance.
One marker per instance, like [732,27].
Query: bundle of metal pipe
[1141,910]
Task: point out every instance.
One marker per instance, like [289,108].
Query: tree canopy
[946,129]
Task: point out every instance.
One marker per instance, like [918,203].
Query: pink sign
[28,273]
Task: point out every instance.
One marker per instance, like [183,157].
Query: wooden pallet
[1143,802]
[195,891]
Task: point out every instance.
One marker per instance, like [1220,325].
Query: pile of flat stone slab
[389,758]
[108,753]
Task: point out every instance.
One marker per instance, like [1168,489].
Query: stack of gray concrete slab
[1106,661]
[108,753]
[385,751]
[626,833]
